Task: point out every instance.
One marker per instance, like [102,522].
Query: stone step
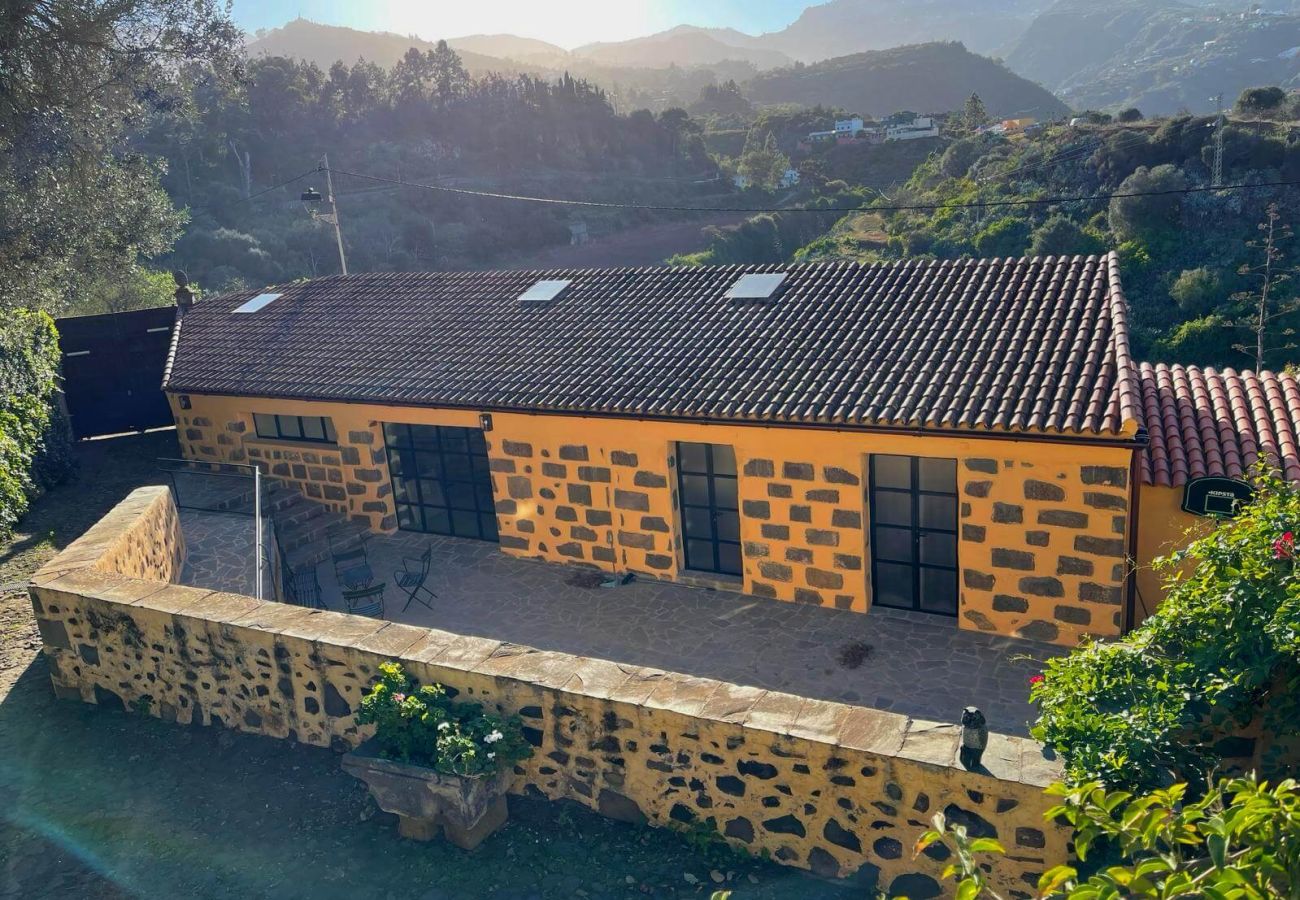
[344,537]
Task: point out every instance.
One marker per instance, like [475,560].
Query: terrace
[917,665]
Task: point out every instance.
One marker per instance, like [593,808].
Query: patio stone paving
[219,551]
[917,665]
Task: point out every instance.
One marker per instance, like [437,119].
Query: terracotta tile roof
[998,344]
[1208,422]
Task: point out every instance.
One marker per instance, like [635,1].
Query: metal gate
[113,370]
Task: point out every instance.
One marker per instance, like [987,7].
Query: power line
[252,197]
[979,204]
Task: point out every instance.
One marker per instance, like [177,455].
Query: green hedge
[35,441]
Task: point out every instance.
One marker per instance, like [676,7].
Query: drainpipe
[1134,497]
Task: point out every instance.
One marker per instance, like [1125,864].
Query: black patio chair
[303,588]
[366,601]
[352,568]
[411,577]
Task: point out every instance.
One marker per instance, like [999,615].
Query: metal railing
[220,487]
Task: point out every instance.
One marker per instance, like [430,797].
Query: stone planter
[464,810]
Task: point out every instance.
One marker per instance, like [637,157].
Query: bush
[1261,99]
[1132,114]
[1149,710]
[1061,236]
[422,725]
[1152,213]
[1197,291]
[1241,840]
[1003,237]
[34,441]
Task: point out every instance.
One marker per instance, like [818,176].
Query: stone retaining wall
[829,787]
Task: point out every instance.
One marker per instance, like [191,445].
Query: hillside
[843,27]
[1158,55]
[933,77]
[1181,253]
[324,45]
[683,46]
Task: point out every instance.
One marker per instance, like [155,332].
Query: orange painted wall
[1163,527]
[1042,525]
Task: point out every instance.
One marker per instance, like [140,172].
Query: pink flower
[399,697]
[1036,679]
[1284,547]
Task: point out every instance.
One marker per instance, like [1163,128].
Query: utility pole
[1216,178]
[333,215]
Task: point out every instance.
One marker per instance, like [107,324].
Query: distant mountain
[1158,55]
[843,27]
[684,46]
[326,44]
[934,77]
[509,46]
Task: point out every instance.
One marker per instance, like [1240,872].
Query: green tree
[1131,114]
[1197,291]
[1148,203]
[763,164]
[1261,100]
[75,200]
[1061,236]
[1003,237]
[974,115]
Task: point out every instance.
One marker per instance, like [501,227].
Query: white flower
[492,756]
[492,737]
[443,726]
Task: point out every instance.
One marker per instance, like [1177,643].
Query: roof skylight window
[756,286]
[544,292]
[258,302]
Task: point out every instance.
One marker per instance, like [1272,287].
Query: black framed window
[914,533]
[441,480]
[707,497]
[317,429]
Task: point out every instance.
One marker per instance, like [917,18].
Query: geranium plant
[422,725]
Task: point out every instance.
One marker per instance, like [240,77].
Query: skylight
[543,292]
[258,302]
[756,286]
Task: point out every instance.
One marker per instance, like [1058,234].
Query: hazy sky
[564,22]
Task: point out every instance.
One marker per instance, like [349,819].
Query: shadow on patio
[917,665]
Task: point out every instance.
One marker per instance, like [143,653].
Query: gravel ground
[99,804]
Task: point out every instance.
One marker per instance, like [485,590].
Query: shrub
[34,441]
[1197,291]
[1147,203]
[422,725]
[1241,840]
[1003,237]
[1150,710]
[1061,236]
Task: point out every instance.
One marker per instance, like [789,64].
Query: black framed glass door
[441,481]
[706,475]
[914,533]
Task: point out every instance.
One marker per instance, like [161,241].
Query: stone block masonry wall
[804,529]
[350,477]
[1043,549]
[1043,527]
[833,788]
[585,503]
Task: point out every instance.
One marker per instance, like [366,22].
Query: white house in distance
[920,127]
[848,127]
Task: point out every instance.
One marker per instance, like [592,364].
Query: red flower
[1036,679]
[1284,547]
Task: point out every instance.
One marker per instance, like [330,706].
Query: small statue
[974,737]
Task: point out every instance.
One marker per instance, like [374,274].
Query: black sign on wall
[1216,497]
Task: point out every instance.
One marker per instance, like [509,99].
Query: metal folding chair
[303,588]
[411,578]
[366,601]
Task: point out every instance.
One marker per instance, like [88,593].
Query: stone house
[961,438]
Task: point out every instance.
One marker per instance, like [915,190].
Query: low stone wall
[834,788]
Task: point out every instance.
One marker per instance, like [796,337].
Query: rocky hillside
[1157,55]
[935,77]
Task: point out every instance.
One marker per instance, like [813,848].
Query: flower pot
[464,809]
